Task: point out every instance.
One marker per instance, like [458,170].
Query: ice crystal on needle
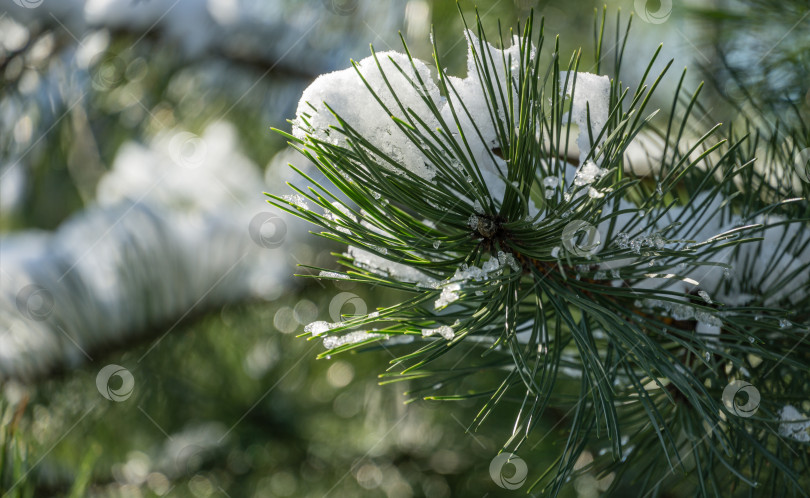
[594,193]
[332,342]
[318,328]
[449,295]
[332,274]
[332,216]
[403,272]
[297,199]
[589,173]
[445,331]
[508,259]
[491,268]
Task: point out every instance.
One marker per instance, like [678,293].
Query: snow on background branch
[167,213]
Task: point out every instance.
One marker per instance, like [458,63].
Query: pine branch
[649,296]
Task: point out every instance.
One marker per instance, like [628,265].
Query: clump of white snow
[591,95]
[347,95]
[794,424]
[589,173]
[476,111]
[781,280]
[475,108]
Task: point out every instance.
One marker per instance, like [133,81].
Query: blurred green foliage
[235,406]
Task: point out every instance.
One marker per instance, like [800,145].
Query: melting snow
[318,328]
[800,431]
[591,94]
[332,274]
[332,342]
[445,331]
[297,200]
[589,173]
